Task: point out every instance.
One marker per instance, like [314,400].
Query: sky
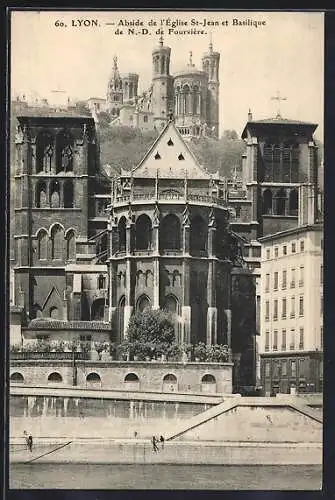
[285,54]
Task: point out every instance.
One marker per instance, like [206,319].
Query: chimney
[249,115]
[307,205]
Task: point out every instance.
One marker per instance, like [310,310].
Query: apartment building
[291,341]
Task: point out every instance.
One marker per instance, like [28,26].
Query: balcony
[171,196]
[292,284]
[283,287]
[31,355]
[301,283]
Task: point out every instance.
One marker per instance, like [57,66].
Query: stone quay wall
[198,378]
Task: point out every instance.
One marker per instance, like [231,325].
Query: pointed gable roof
[171,157]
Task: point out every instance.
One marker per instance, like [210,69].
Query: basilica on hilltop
[191,93]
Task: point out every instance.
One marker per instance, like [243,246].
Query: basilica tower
[161,84]
[210,64]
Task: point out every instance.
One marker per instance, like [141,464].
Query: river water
[157,476]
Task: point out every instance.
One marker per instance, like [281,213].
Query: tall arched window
[122,303]
[70,245]
[295,153]
[280,202]
[172,307]
[43,239]
[143,303]
[122,234]
[267,202]
[276,163]
[196,100]
[293,202]
[44,152]
[41,195]
[186,98]
[169,233]
[64,152]
[268,162]
[198,235]
[57,242]
[68,194]
[171,304]
[143,232]
[54,194]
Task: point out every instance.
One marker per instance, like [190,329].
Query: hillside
[124,147]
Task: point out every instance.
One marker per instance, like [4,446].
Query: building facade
[291,347]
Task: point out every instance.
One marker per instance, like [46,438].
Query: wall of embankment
[104,452]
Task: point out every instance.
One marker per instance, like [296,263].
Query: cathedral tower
[114,90]
[210,64]
[161,84]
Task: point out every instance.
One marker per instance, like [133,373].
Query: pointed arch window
[43,245]
[143,232]
[122,234]
[70,246]
[169,233]
[198,235]
[143,303]
[68,194]
[55,194]
[64,152]
[44,152]
[122,304]
[57,242]
[41,195]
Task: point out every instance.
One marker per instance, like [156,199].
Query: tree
[150,326]
[150,334]
[223,155]
[123,147]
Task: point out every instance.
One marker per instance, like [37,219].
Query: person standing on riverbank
[154,444]
[29,440]
[30,443]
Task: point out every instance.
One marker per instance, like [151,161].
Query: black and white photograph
[165,260]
